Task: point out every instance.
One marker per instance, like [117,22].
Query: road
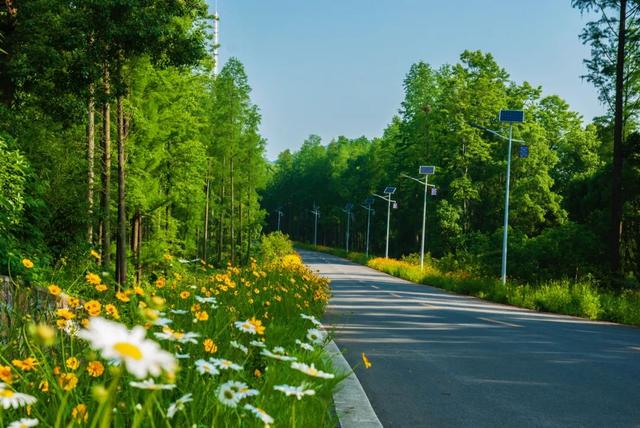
[445,360]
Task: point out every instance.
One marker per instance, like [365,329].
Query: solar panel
[512,116]
[427,170]
[390,190]
[369,201]
[348,207]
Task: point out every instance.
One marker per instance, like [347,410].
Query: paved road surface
[443,360]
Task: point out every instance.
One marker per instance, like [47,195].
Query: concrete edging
[352,405]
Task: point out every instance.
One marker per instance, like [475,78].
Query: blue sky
[335,67]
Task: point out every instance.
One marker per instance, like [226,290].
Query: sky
[335,67]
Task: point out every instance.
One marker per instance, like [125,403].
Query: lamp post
[280,214]
[426,171]
[388,191]
[316,213]
[510,117]
[367,206]
[347,209]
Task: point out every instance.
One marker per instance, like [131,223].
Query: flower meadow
[235,347]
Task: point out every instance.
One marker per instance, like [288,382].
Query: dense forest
[117,135]
[560,193]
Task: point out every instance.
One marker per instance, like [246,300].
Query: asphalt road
[444,360]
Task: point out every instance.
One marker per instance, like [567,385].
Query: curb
[352,405]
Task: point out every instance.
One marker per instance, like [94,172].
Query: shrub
[275,246]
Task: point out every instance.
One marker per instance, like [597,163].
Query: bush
[275,246]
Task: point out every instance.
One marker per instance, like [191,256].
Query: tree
[613,68]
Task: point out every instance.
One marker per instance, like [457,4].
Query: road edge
[351,402]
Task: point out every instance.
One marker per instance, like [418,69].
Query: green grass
[276,293]
[582,299]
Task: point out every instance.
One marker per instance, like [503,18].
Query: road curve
[445,360]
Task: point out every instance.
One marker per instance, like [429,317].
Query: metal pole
[386,251]
[506,211]
[348,221]
[368,223]
[424,221]
[315,229]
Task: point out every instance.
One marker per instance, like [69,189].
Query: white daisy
[312,319]
[9,398]
[257,344]
[205,367]
[183,356]
[223,364]
[151,385]
[162,322]
[24,423]
[311,370]
[230,393]
[212,300]
[245,327]
[316,336]
[142,357]
[275,356]
[178,405]
[179,311]
[304,345]
[239,346]
[279,350]
[297,391]
[260,414]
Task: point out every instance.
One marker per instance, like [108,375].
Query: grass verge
[583,299]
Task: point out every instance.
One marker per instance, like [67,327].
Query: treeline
[116,135]
[560,193]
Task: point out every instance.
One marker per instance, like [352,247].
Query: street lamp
[280,214]
[367,206]
[426,171]
[347,209]
[510,117]
[388,191]
[316,213]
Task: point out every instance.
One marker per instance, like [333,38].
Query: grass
[583,299]
[236,314]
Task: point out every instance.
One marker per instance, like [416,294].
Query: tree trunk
[135,242]
[106,173]
[205,240]
[617,199]
[221,222]
[231,215]
[121,239]
[90,157]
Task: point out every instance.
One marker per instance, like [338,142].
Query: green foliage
[13,175]
[274,246]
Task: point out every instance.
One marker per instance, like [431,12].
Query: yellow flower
[93,307]
[93,278]
[112,310]
[258,325]
[138,290]
[65,313]
[365,360]
[95,368]
[168,257]
[257,373]
[122,296]
[185,294]
[27,263]
[73,302]
[80,413]
[67,381]
[54,289]
[210,346]
[202,316]
[100,288]
[72,363]
[95,255]
[160,282]
[5,374]
[44,386]
[25,365]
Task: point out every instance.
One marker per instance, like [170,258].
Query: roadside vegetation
[585,298]
[239,346]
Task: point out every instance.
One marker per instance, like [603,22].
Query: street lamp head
[369,201]
[511,116]
[390,190]
[348,207]
[427,170]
